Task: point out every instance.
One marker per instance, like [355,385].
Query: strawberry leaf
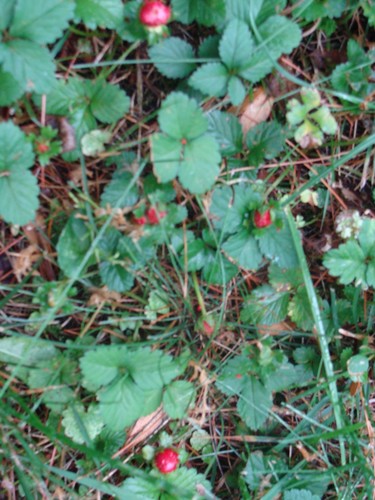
[103,13]
[169,55]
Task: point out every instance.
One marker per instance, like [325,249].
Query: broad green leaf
[30,64]
[225,215]
[102,13]
[277,245]
[79,423]
[284,278]
[211,79]
[264,141]
[166,157]
[178,396]
[227,131]
[152,369]
[218,270]
[7,10]
[265,306]
[169,55]
[57,398]
[116,276]
[42,21]
[18,187]
[108,102]
[254,403]
[10,90]
[314,10]
[234,375]
[138,488]
[28,351]
[101,366]
[181,118]
[300,310]
[358,366]
[366,237]
[244,249]
[121,403]
[268,9]
[236,46]
[200,166]
[206,12]
[243,9]
[300,495]
[209,47]
[197,255]
[74,242]
[158,304]
[236,90]
[282,378]
[347,262]
[255,470]
[114,192]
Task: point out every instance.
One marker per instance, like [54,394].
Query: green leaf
[211,79]
[158,304]
[300,310]
[347,262]
[10,90]
[316,9]
[100,367]
[138,488]
[102,13]
[42,22]
[197,255]
[114,192]
[284,279]
[236,90]
[358,367]
[181,118]
[265,141]
[30,64]
[299,495]
[219,270]
[166,157]
[244,249]
[277,245]
[78,423]
[168,56]
[209,47]
[206,12]
[255,470]
[254,403]
[7,10]
[366,237]
[116,277]
[227,131]
[200,166]
[265,306]
[282,378]
[74,242]
[178,396]
[108,102]
[236,45]
[243,9]
[18,187]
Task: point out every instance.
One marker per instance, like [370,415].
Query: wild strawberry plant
[187,248]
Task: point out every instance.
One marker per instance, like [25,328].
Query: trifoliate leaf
[18,187]
[236,45]
[244,249]
[117,193]
[265,306]
[282,378]
[10,90]
[347,262]
[108,102]
[102,13]
[211,79]
[227,131]
[102,365]
[254,403]
[277,245]
[42,22]
[206,12]
[81,425]
[178,396]
[181,118]
[169,55]
[74,242]
[29,63]
[93,143]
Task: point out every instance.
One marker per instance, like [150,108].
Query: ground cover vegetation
[187,249]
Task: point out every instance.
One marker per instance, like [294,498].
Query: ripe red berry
[140,220]
[262,219]
[153,216]
[167,460]
[41,147]
[154,13]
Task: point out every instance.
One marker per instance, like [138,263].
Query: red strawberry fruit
[154,217]
[154,13]
[262,219]
[41,147]
[140,220]
[167,460]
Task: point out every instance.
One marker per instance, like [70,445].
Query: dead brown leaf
[23,261]
[255,110]
[102,295]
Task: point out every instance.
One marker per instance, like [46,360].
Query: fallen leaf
[255,110]
[23,261]
[102,295]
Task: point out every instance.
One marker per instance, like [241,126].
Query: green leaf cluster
[26,65]
[354,261]
[129,382]
[184,148]
[232,212]
[245,56]
[205,12]
[253,376]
